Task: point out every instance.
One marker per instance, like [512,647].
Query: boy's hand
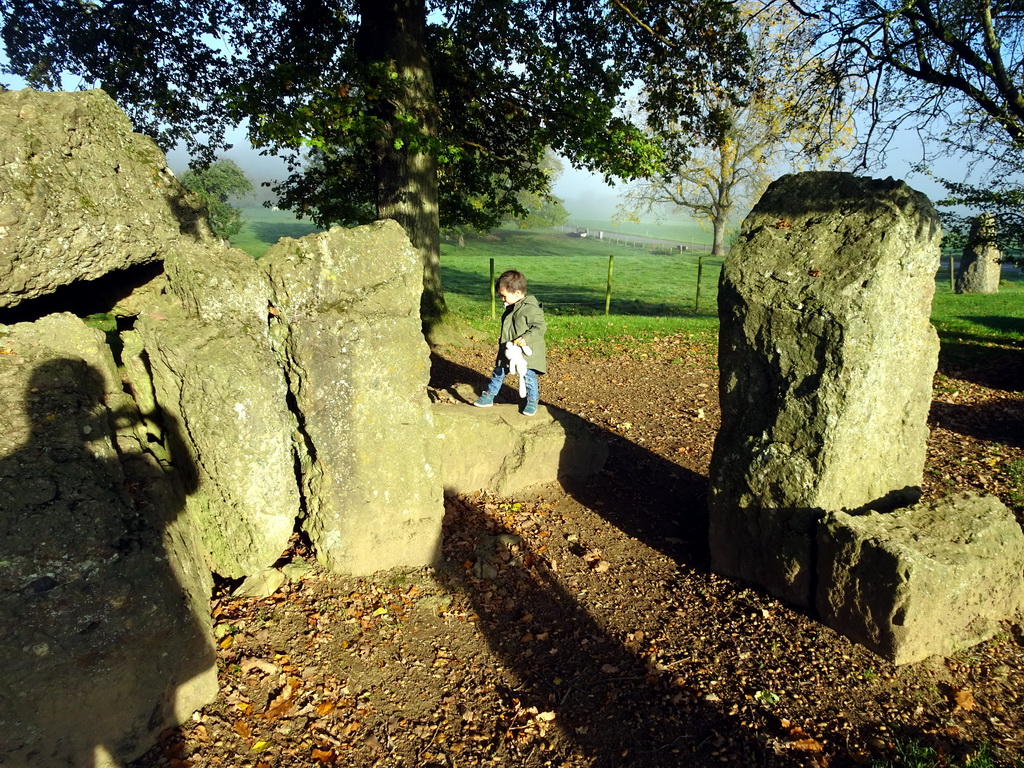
[519,342]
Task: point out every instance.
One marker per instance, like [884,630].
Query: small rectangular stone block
[501,451]
[924,580]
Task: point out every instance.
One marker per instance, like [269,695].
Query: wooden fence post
[608,292]
[700,270]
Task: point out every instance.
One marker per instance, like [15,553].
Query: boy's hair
[511,281]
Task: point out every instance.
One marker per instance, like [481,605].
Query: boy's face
[511,297]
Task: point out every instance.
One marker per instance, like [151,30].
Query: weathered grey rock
[347,329]
[105,601]
[81,195]
[826,355]
[499,450]
[980,265]
[204,352]
[925,580]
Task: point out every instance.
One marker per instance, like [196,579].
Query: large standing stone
[826,358]
[926,580]
[105,636]
[349,337]
[81,195]
[980,265]
[206,346]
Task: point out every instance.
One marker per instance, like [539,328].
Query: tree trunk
[718,236]
[391,46]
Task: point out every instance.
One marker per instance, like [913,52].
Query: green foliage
[160,60]
[216,184]
[495,84]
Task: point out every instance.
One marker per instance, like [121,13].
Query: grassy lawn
[653,293]
[981,317]
[263,227]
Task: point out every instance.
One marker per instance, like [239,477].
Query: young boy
[523,324]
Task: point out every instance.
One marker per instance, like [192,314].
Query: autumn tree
[781,120]
[418,111]
[217,184]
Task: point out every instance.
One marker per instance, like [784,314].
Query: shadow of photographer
[103,639]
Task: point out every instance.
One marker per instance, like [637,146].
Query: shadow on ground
[646,496]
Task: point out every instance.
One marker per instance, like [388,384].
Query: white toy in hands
[517,362]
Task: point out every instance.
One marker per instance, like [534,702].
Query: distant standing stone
[980,264]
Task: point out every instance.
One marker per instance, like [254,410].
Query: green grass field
[263,227]
[653,294]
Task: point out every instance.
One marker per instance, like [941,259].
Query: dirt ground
[581,626]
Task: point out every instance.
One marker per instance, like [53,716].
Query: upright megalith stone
[981,261]
[106,632]
[347,331]
[826,357]
[81,195]
[203,350]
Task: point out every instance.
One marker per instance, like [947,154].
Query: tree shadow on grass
[978,360]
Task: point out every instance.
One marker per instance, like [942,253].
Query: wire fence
[641,242]
[624,285]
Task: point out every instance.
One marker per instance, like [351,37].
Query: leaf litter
[581,625]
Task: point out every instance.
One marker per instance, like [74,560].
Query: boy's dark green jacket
[525,318]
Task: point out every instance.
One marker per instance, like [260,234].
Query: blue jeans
[502,370]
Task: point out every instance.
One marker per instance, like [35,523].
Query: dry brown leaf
[325,707]
[242,728]
[964,700]
[325,756]
[281,705]
[808,745]
[264,666]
